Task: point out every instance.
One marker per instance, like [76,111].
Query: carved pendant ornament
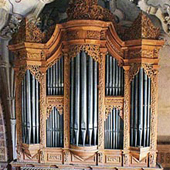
[93,75]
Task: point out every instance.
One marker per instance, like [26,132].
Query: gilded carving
[88,9]
[34,56]
[112,159]
[66,100]
[81,34]
[60,109]
[141,53]
[127,110]
[142,28]
[35,70]
[111,103]
[91,50]
[100,156]
[101,95]
[93,35]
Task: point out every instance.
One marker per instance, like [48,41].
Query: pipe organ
[86,96]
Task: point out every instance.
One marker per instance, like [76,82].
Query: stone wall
[164,96]
[164,108]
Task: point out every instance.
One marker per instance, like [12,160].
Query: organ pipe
[33,109]
[83,109]
[90,99]
[95,118]
[77,98]
[55,129]
[114,130]
[55,78]
[114,77]
[140,109]
[30,109]
[83,97]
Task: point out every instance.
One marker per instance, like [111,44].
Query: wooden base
[17,165]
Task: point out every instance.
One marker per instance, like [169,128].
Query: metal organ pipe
[55,129]
[140,105]
[140,109]
[132,113]
[114,77]
[90,99]
[84,96]
[114,130]
[83,100]
[33,109]
[77,98]
[30,109]
[95,118]
[55,78]
[145,109]
[148,112]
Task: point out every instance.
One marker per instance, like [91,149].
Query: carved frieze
[81,34]
[112,102]
[57,102]
[91,50]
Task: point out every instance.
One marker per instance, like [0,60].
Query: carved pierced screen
[30,109]
[140,109]
[114,77]
[55,78]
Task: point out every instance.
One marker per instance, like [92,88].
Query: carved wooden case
[97,39]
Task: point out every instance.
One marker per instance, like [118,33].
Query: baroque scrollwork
[88,9]
[35,70]
[91,50]
[111,103]
[142,27]
[58,103]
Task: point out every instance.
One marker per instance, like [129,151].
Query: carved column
[154,112]
[43,108]
[126,116]
[101,107]
[18,79]
[66,106]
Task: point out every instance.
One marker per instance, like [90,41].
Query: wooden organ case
[86,97]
